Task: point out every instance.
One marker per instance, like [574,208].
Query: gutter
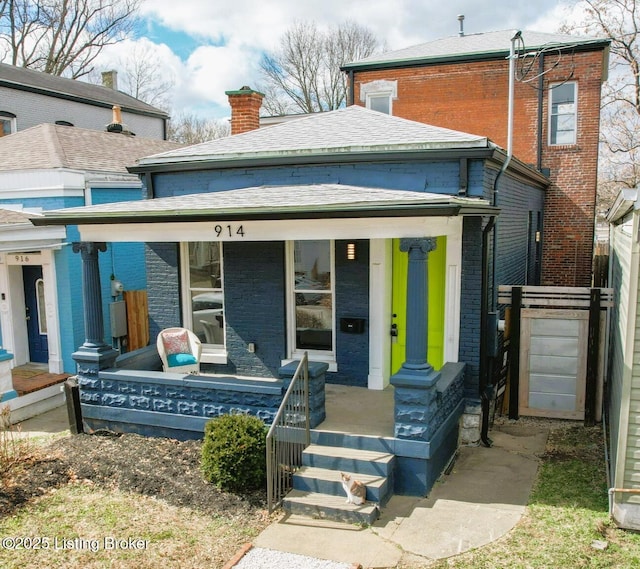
[486,359]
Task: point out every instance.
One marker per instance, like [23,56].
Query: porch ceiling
[316,201]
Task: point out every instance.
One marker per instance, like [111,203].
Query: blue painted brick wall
[254,291]
[469,351]
[163,285]
[352,301]
[438,177]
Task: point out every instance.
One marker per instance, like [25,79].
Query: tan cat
[356,490]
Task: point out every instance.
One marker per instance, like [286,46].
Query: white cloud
[228,37]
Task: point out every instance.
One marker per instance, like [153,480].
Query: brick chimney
[110,79]
[245,109]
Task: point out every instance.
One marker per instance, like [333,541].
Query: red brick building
[462,83]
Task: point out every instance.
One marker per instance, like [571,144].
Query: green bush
[234,452]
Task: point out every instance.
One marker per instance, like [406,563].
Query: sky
[208,47]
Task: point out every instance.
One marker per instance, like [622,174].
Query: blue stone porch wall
[154,403]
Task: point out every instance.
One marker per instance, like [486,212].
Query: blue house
[41,313]
[341,235]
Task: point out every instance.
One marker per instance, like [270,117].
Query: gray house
[29,98]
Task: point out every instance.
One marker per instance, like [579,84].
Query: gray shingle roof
[19,77]
[13,218]
[352,129]
[495,44]
[49,146]
[316,200]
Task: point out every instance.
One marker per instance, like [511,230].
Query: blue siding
[46,203]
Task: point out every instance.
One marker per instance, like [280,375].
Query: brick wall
[473,96]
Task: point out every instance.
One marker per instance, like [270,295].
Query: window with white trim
[563,115]
[379,95]
[203,296]
[7,123]
[311,298]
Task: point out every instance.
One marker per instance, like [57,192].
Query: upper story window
[203,300]
[563,118]
[7,123]
[379,95]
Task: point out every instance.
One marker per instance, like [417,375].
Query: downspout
[486,359]
[351,93]
[540,114]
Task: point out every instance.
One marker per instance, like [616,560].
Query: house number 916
[228,230]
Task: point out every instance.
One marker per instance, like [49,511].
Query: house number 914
[228,230]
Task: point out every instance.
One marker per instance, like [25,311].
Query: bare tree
[143,75]
[618,20]
[62,37]
[304,75]
[190,129]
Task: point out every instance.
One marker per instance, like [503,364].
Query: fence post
[514,359]
[593,355]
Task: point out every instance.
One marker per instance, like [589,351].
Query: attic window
[7,123]
[379,95]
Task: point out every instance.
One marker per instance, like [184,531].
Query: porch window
[311,305]
[563,116]
[204,306]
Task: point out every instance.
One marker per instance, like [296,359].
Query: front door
[35,313]
[436,304]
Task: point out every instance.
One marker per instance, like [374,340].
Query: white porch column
[380,265]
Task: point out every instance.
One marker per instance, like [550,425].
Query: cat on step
[356,490]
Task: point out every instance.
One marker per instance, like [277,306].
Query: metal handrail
[288,436]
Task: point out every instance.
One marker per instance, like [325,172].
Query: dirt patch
[166,469]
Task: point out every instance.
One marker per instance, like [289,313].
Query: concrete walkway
[482,498]
[46,424]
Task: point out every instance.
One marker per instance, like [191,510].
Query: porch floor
[32,377]
[358,411]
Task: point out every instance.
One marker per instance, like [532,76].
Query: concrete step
[325,481]
[325,506]
[343,459]
[360,442]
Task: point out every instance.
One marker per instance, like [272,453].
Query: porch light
[351,251]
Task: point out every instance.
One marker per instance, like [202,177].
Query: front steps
[317,486]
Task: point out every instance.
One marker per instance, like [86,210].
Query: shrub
[234,452]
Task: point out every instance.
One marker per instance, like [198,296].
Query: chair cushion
[176,342]
[181,360]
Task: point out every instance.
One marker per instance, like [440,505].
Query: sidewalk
[482,498]
[45,424]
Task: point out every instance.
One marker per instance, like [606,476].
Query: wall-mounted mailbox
[352,325]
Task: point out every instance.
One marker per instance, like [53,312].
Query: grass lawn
[567,516]
[566,519]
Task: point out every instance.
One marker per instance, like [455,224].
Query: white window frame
[41,307]
[11,119]
[379,89]
[552,88]
[327,356]
[211,353]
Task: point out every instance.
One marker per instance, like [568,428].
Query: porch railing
[288,436]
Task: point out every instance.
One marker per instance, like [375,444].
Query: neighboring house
[462,83]
[29,98]
[52,167]
[316,235]
[623,392]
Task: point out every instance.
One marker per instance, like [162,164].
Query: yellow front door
[437,263]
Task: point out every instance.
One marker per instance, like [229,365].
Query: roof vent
[461,20]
